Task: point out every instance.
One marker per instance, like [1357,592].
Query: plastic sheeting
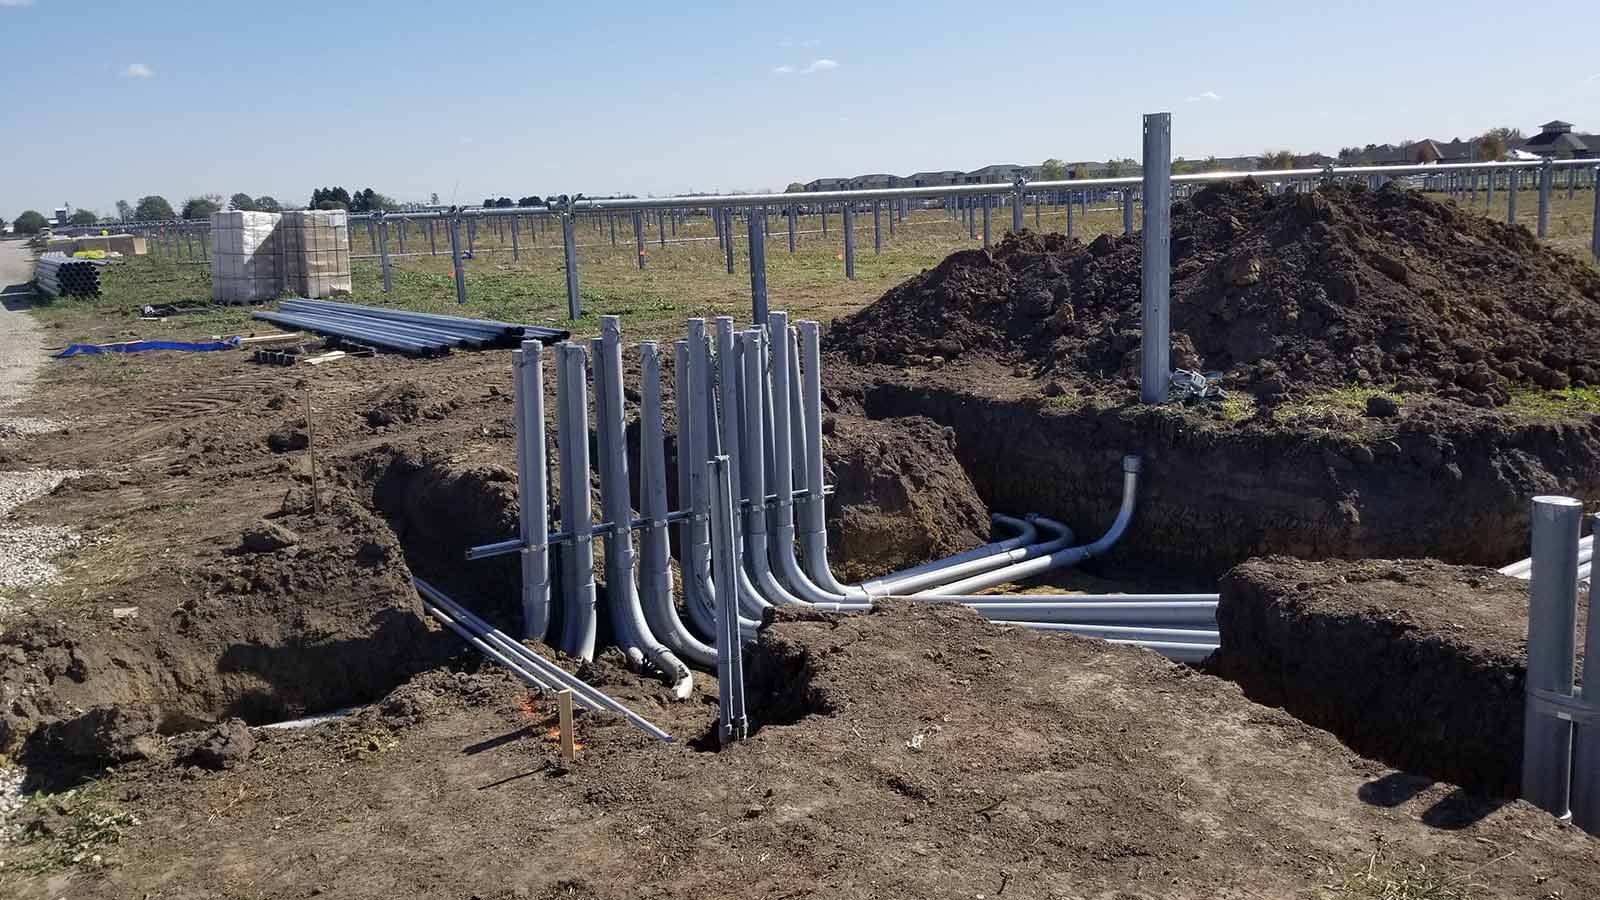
[245,256]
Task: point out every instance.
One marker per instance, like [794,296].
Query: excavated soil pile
[1341,286]
[918,751]
[1415,662]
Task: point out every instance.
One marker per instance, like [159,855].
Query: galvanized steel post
[1017,181]
[1594,223]
[1069,215]
[383,251]
[986,203]
[433,247]
[1547,177]
[401,234]
[611,220]
[1127,210]
[1552,623]
[638,236]
[516,248]
[849,241]
[791,217]
[1513,178]
[727,236]
[569,247]
[967,210]
[455,256]
[1155,369]
[758,263]
[877,230]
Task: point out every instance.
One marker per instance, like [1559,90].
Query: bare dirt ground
[914,752]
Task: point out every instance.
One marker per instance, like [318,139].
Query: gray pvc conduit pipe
[655,566]
[1061,537]
[1069,556]
[577,574]
[1104,612]
[622,592]
[1173,650]
[691,530]
[697,419]
[751,602]
[528,665]
[756,549]
[813,525]
[533,491]
[1026,534]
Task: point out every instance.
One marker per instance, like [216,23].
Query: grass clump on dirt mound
[1283,294]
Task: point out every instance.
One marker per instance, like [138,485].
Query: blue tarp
[141,346]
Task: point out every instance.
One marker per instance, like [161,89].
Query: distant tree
[1080,171]
[83,217]
[794,187]
[504,203]
[30,222]
[153,208]
[531,201]
[201,207]
[1052,169]
[433,199]
[124,211]
[1348,155]
[1181,166]
[1113,168]
[1496,142]
[1277,159]
[266,203]
[242,201]
[1210,164]
[488,202]
[330,198]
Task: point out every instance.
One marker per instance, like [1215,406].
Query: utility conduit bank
[753,400]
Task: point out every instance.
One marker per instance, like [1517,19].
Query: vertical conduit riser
[577,571]
[532,490]
[1552,624]
[1585,798]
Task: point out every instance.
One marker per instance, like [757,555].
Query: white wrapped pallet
[245,264]
[316,252]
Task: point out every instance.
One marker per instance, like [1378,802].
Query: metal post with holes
[1155,369]
[791,217]
[725,573]
[455,257]
[1552,623]
[383,251]
[849,241]
[758,263]
[638,237]
[569,249]
[1547,177]
[877,227]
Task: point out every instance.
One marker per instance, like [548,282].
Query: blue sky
[472,98]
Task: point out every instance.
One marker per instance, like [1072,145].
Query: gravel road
[21,343]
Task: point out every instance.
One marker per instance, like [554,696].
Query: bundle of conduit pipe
[755,397]
[1523,568]
[424,334]
[60,275]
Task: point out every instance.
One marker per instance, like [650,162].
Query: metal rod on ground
[569,246]
[1552,622]
[455,257]
[758,264]
[1586,739]
[383,252]
[730,649]
[1155,369]
[849,241]
[1546,181]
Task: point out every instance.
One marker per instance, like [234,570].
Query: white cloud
[15,3]
[138,70]
[821,65]
[1208,96]
[783,70]
[791,42]
[1593,79]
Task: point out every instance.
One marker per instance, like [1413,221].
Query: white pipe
[961,572]
[1522,567]
[1026,534]
[1070,556]
[1173,650]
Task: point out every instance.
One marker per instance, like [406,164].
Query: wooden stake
[569,746]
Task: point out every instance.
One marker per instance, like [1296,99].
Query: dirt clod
[265,537]
[225,747]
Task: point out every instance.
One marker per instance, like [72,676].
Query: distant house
[932,179]
[1555,140]
[873,182]
[828,184]
[996,174]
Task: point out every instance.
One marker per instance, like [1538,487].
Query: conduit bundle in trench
[753,396]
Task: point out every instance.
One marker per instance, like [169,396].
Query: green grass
[1340,407]
[1554,404]
[69,829]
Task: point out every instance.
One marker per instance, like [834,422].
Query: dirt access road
[20,338]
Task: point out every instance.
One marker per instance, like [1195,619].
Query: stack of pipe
[425,334]
[1523,568]
[754,397]
[60,275]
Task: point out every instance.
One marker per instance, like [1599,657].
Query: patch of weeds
[1406,882]
[68,829]
[365,744]
[1341,406]
[1237,407]
[1554,404]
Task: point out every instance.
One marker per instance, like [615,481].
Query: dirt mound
[901,496]
[1340,286]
